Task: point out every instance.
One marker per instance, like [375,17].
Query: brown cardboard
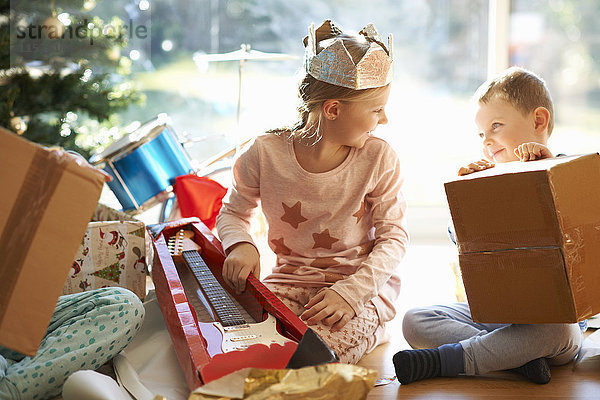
[45,207]
[529,239]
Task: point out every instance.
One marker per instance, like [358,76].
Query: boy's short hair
[522,89]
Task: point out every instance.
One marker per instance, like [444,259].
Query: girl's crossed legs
[354,340]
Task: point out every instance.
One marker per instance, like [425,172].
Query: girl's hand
[532,151]
[242,259]
[475,166]
[329,308]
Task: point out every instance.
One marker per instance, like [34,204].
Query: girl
[331,195]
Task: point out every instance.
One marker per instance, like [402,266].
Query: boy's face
[502,128]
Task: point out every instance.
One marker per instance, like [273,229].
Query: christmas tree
[63,78]
[110,273]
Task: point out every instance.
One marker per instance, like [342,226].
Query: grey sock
[415,365]
[536,371]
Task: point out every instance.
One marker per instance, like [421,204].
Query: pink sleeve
[241,200]
[388,207]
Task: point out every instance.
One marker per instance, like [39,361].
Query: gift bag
[112,253]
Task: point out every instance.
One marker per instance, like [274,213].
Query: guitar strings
[197,298]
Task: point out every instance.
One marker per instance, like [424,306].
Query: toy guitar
[231,331]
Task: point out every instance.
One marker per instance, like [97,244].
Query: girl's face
[357,120]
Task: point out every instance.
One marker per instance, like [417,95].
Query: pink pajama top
[342,229]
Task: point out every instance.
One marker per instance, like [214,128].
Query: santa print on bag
[76,267]
[113,238]
[140,263]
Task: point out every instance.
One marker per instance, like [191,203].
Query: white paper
[231,385]
[148,366]
[589,348]
[91,385]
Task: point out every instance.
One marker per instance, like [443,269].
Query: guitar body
[222,339]
[231,332]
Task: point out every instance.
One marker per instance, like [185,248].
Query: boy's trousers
[490,347]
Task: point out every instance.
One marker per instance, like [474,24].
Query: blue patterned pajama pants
[86,330]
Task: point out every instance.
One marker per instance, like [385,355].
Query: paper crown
[334,64]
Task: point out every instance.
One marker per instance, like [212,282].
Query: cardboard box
[529,239]
[112,253]
[45,206]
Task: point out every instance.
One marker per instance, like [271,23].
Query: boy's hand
[475,166]
[329,308]
[532,151]
[242,259]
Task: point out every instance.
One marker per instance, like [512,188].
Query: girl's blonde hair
[313,93]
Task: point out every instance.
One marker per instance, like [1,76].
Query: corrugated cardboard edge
[33,294]
[581,238]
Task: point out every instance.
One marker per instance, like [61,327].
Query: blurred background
[85,96]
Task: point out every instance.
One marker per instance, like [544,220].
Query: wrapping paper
[329,381]
[112,253]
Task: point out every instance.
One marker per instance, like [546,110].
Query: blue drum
[144,165]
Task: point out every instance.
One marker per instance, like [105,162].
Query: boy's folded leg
[515,346]
[433,326]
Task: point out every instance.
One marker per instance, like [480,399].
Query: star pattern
[280,247]
[324,262]
[293,215]
[365,248]
[323,240]
[361,212]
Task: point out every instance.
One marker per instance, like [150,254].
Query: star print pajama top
[342,229]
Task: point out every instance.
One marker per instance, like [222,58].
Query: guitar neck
[217,297]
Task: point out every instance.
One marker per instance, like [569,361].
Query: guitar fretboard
[219,299]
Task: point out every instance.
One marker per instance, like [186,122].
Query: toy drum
[144,165]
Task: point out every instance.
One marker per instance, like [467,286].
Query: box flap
[47,204]
[503,211]
[514,167]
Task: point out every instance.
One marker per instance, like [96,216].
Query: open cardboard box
[191,347]
[529,240]
[45,207]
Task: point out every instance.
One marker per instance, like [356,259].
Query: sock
[537,371]
[414,365]
[452,359]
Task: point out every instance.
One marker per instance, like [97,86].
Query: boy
[514,118]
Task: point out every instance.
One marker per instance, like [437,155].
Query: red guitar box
[304,348]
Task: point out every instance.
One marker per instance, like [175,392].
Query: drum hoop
[154,200]
[127,148]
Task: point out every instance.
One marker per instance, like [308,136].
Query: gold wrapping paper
[330,381]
